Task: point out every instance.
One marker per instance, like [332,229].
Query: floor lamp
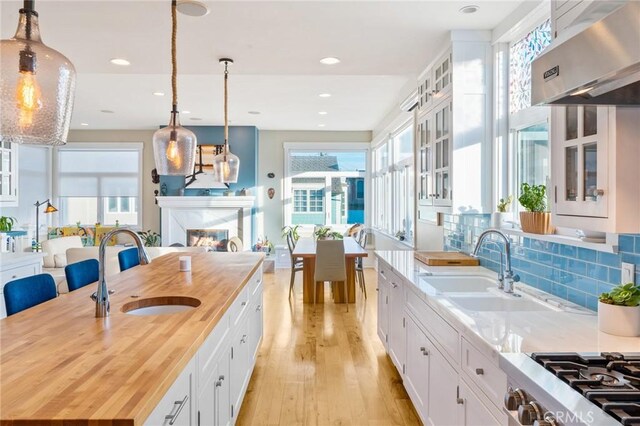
[48,209]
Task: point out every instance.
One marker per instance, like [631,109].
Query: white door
[417,367]
[443,404]
[239,368]
[580,157]
[207,401]
[396,323]
[223,391]
[472,410]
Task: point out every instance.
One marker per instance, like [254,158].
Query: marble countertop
[573,329]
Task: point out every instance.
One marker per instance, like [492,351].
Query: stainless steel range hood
[598,66]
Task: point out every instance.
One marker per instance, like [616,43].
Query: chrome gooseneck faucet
[101,296]
[506,278]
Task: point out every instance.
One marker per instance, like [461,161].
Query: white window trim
[101,146]
[307,189]
[327,146]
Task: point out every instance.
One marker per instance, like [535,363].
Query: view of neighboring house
[324,194]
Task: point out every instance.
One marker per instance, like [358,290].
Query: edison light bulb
[28,97]
[173,155]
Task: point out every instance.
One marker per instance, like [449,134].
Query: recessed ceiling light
[192,8]
[158,93]
[472,8]
[186,112]
[120,61]
[325,95]
[254,112]
[195,119]
[329,61]
[323,113]
[107,111]
[84,124]
[321,125]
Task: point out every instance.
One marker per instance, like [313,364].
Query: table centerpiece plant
[619,311]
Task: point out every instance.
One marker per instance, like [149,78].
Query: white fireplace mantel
[178,214]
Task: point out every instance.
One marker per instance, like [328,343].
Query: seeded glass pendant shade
[174,147]
[226,165]
[37,85]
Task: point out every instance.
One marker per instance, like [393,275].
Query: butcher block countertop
[58,362]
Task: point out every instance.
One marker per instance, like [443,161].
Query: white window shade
[98,172]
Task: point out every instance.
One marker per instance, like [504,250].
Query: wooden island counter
[59,365]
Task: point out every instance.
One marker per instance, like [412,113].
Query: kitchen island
[61,365]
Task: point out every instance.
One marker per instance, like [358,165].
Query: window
[325,186]
[529,136]
[521,55]
[393,183]
[99,183]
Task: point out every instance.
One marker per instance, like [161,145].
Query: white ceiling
[276,46]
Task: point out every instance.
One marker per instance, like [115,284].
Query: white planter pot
[619,320]
[498,219]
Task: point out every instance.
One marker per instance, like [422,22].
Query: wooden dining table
[306,250]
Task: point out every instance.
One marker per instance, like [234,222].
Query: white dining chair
[330,265]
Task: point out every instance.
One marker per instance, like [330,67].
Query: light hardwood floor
[323,366]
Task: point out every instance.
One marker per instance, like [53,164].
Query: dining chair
[82,273]
[296,262]
[128,258]
[362,241]
[330,265]
[25,293]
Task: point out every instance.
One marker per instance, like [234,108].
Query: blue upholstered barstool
[82,273]
[25,293]
[128,259]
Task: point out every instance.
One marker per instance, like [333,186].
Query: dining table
[305,249]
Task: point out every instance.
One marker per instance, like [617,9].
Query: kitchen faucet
[101,296]
[506,277]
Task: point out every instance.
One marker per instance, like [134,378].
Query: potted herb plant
[619,311]
[325,233]
[150,238]
[293,230]
[6,223]
[498,218]
[536,219]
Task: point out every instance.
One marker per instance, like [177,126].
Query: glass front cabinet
[8,174]
[596,157]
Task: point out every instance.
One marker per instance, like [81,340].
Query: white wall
[271,159]
[34,175]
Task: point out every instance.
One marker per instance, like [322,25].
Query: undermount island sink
[162,305]
[504,303]
[460,284]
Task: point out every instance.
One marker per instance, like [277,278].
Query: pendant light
[174,146]
[226,165]
[37,84]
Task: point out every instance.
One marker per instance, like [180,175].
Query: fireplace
[205,214]
[215,238]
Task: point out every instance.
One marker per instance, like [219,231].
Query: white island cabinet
[449,381]
[210,390]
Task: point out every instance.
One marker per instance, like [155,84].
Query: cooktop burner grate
[610,380]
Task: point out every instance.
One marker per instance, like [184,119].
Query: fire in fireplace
[215,238]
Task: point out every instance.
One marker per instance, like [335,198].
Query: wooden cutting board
[446,258]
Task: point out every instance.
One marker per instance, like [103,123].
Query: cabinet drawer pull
[243,304]
[221,378]
[219,383]
[244,339]
[394,285]
[14,276]
[173,417]
[258,308]
[479,371]
[424,351]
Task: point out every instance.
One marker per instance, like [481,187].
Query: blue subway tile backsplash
[574,273]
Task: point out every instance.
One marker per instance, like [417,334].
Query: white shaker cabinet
[417,367]
[442,406]
[177,407]
[383,304]
[397,333]
[471,411]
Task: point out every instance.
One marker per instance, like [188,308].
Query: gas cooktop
[610,380]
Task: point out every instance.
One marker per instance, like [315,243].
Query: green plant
[324,232]
[504,204]
[533,197]
[622,295]
[150,238]
[6,223]
[291,229]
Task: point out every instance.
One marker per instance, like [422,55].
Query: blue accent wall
[573,273]
[243,142]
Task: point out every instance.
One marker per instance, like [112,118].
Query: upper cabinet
[453,128]
[8,174]
[595,173]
